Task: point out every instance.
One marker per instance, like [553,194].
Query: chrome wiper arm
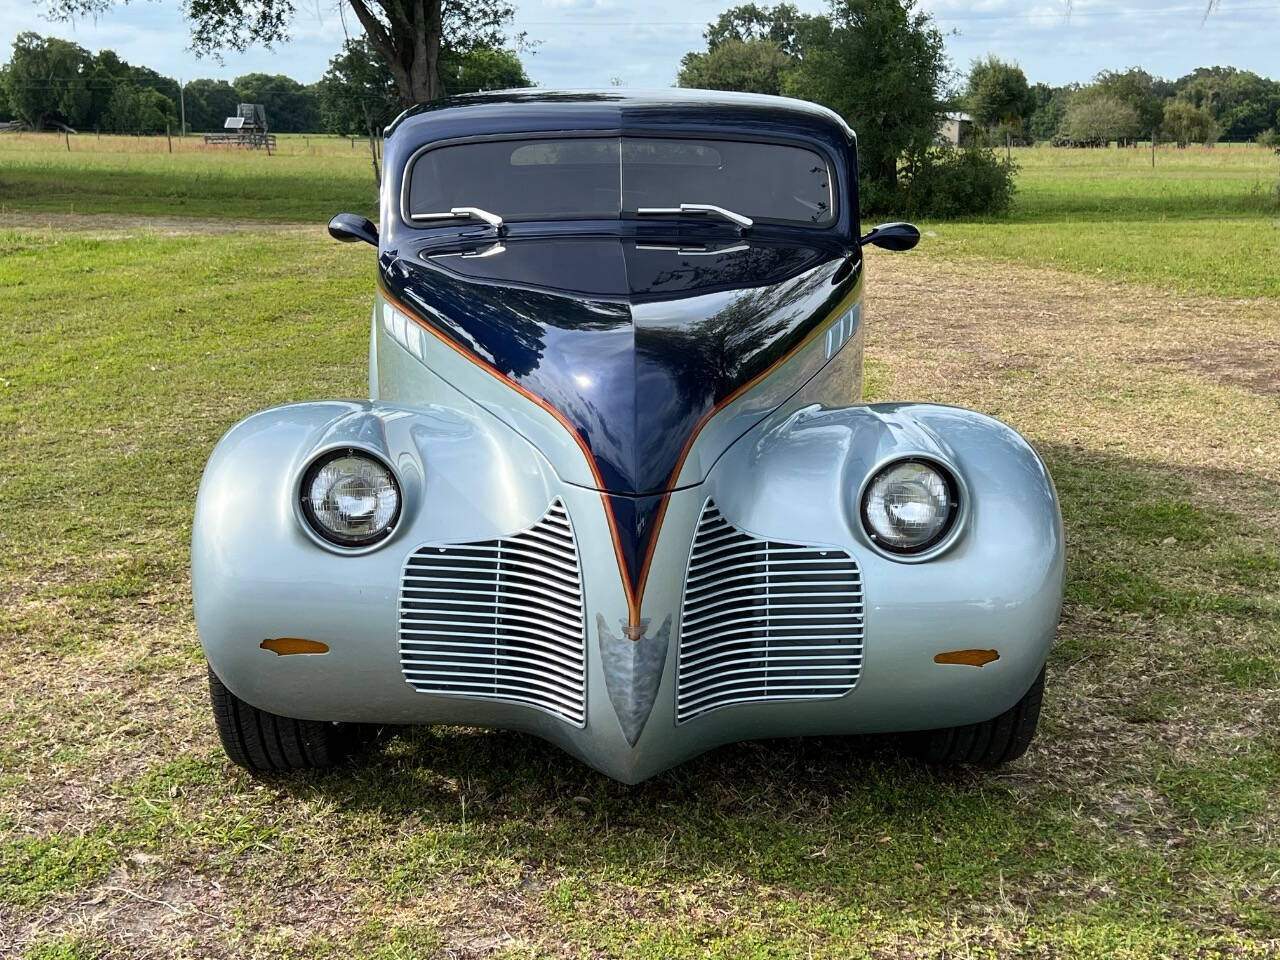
[457,213]
[743,223]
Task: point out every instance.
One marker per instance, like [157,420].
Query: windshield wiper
[458,213]
[710,209]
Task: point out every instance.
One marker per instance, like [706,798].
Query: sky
[593,43]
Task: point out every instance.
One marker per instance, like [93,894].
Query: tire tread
[265,743]
[991,743]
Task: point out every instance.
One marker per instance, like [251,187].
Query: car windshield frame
[817,148]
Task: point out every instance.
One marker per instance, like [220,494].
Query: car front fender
[997,585]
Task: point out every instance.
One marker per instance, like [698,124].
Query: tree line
[1206,105]
[53,83]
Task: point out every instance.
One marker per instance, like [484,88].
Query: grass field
[1144,822]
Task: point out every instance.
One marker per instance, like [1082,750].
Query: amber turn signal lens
[968,658]
[283,646]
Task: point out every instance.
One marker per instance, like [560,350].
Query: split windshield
[608,177]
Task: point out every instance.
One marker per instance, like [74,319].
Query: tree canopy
[755,66]
[998,93]
[358,92]
[411,35]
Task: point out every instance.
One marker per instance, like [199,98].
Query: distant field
[308,178]
[1204,220]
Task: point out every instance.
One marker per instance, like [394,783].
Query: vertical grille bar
[765,620]
[499,619]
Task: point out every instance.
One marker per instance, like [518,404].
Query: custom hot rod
[615,484]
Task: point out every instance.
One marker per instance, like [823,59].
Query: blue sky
[588,43]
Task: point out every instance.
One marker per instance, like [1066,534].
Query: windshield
[609,177]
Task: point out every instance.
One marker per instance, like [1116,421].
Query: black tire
[991,743]
[265,743]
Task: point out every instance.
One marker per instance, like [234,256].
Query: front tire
[991,743]
[264,743]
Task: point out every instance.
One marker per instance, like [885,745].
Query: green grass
[307,179]
[1201,221]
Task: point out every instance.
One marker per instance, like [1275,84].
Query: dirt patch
[1253,365]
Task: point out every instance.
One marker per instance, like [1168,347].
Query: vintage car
[615,484]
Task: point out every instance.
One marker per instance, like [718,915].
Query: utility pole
[182,104]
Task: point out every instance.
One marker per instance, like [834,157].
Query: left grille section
[499,619]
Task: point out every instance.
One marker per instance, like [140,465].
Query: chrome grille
[499,619]
[765,620]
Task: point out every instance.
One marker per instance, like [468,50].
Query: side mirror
[348,227]
[890,236]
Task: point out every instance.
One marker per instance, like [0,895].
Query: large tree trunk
[407,33]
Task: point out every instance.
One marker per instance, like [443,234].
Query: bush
[947,181]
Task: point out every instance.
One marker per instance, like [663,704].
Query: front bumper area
[468,479]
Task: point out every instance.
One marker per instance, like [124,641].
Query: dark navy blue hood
[634,342]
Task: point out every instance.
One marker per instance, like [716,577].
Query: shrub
[947,181]
[1098,118]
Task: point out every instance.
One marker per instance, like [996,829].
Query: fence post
[67,133]
[1008,144]
[168,135]
[1153,149]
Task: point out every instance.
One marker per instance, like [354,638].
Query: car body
[621,464]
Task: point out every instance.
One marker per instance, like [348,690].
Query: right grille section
[765,620]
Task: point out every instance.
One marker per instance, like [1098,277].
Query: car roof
[532,110]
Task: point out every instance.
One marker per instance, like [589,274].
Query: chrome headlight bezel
[945,538]
[318,531]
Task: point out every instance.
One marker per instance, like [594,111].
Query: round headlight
[909,506]
[350,498]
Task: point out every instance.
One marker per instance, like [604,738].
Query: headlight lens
[350,498]
[909,506]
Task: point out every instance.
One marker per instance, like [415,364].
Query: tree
[134,109]
[358,92]
[1241,102]
[481,68]
[410,34]
[881,65]
[753,66]
[1186,123]
[209,103]
[998,93]
[1140,90]
[291,107]
[781,25]
[1097,119]
[1049,108]
[46,81]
